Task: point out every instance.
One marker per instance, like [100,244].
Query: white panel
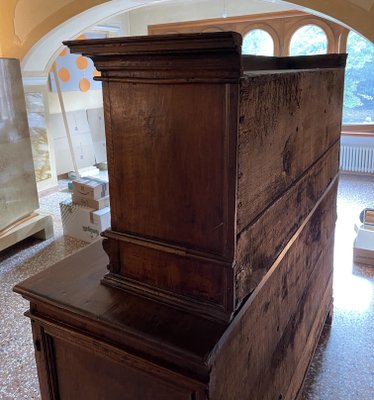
[81,138]
[18,193]
[95,119]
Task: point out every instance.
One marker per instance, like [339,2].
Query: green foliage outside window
[308,40]
[359,81]
[258,42]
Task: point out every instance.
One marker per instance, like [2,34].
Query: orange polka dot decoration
[63,52]
[64,74]
[75,72]
[84,85]
[82,62]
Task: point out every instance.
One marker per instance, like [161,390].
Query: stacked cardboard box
[363,248]
[88,213]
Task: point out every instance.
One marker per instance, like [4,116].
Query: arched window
[308,40]
[258,42]
[359,81]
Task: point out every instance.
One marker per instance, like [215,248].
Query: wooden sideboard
[223,188]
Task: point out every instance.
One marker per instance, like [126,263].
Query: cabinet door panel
[84,374]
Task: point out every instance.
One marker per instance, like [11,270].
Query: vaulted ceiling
[24,22]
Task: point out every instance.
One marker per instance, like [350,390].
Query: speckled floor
[18,377]
[343,366]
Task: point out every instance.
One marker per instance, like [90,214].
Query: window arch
[359,81]
[307,40]
[258,42]
[213,29]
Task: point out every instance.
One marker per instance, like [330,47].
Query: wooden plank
[261,348]
[274,151]
[311,344]
[279,222]
[300,336]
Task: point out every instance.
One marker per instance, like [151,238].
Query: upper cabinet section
[179,57]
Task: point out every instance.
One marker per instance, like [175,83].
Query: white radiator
[357,159]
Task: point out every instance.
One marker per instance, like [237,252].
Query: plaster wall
[189,10]
[75,101]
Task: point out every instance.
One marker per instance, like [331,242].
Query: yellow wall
[357,14]
[24,22]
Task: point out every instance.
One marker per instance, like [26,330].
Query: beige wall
[356,14]
[199,9]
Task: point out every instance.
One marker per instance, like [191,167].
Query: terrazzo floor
[18,377]
[342,368]
[343,365]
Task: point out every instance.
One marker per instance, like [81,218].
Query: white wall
[189,10]
[75,101]
[357,141]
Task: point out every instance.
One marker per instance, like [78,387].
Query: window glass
[258,42]
[308,40]
[359,81]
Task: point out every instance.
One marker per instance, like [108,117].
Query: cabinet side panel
[259,354]
[169,179]
[286,122]
[279,222]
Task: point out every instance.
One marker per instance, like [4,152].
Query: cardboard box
[91,203]
[92,188]
[83,223]
[363,249]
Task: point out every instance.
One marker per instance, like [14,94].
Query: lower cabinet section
[97,342]
[74,367]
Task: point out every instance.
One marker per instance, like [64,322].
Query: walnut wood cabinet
[223,182]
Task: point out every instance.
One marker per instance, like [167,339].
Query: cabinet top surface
[73,286]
